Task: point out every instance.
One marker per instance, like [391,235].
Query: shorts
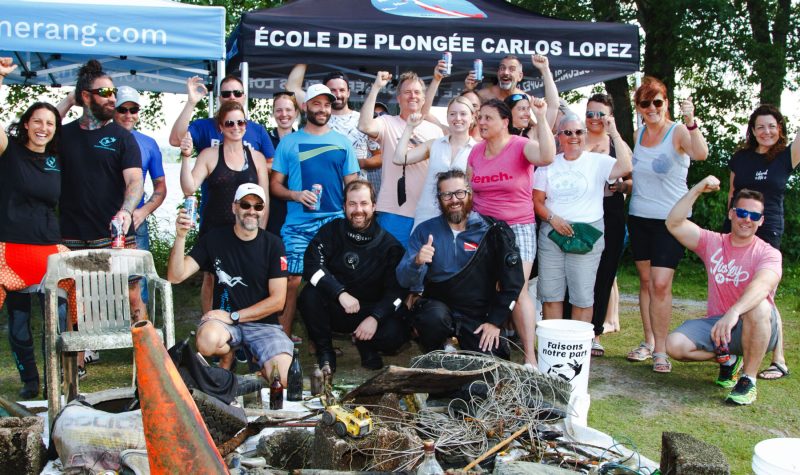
[698,331]
[652,241]
[525,235]
[397,225]
[296,238]
[559,270]
[264,340]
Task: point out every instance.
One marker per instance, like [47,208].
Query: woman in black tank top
[223,168]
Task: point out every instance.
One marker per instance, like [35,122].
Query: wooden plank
[399,380]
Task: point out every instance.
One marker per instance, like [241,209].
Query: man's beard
[248,224]
[99,112]
[313,119]
[456,216]
[365,224]
[506,86]
[339,105]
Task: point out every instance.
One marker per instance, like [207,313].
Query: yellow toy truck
[356,424]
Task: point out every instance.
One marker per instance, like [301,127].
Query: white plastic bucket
[776,457]
[565,350]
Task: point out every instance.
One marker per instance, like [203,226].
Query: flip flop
[597,349]
[774,371]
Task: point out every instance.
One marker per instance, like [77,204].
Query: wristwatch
[235,317]
[549,218]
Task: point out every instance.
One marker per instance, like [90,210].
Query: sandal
[597,349]
[774,371]
[641,353]
[661,363]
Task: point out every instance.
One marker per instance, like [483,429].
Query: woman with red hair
[661,158]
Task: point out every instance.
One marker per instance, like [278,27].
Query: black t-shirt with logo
[30,184]
[242,269]
[92,186]
[754,172]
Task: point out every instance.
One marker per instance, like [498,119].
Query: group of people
[405,227]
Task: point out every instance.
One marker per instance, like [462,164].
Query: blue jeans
[143,243]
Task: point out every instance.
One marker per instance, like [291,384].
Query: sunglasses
[595,114]
[282,93]
[125,110]
[645,104]
[448,195]
[230,123]
[517,97]
[570,133]
[227,94]
[104,91]
[245,205]
[742,213]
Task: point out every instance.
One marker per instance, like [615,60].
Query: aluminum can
[722,353]
[447,57]
[477,66]
[117,236]
[316,188]
[190,205]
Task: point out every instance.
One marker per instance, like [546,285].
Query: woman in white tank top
[661,159]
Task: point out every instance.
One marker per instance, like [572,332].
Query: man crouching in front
[743,273]
[250,271]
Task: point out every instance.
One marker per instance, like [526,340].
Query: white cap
[127,94]
[317,90]
[249,189]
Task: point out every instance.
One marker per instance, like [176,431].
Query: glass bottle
[276,391]
[294,381]
[317,384]
[429,465]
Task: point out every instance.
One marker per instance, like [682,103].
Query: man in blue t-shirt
[314,155]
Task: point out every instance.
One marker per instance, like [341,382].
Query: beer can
[477,66]
[722,353]
[316,188]
[447,57]
[190,205]
[117,236]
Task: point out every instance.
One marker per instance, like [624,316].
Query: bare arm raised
[195,91]
[366,122]
[678,224]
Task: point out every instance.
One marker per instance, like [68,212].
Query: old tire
[223,420]
[327,418]
[340,429]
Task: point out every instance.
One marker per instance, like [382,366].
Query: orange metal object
[176,436]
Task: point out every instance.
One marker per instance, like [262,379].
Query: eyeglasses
[278,94]
[595,114]
[245,205]
[125,110]
[230,123]
[227,94]
[104,91]
[742,213]
[570,133]
[657,102]
[448,195]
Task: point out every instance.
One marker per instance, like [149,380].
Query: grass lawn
[628,400]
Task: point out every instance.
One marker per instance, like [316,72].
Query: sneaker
[90,356]
[728,375]
[30,390]
[82,372]
[744,393]
[241,355]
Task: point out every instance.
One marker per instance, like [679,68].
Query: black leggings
[614,235]
[20,337]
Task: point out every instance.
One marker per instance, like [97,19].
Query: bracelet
[692,127]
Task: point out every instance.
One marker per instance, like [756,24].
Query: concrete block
[682,454]
[21,448]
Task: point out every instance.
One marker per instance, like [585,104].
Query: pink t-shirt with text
[502,186]
[730,269]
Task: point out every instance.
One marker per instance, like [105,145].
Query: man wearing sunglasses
[470,269]
[127,115]
[743,274]
[249,292]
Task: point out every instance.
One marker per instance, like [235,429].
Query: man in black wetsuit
[352,288]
